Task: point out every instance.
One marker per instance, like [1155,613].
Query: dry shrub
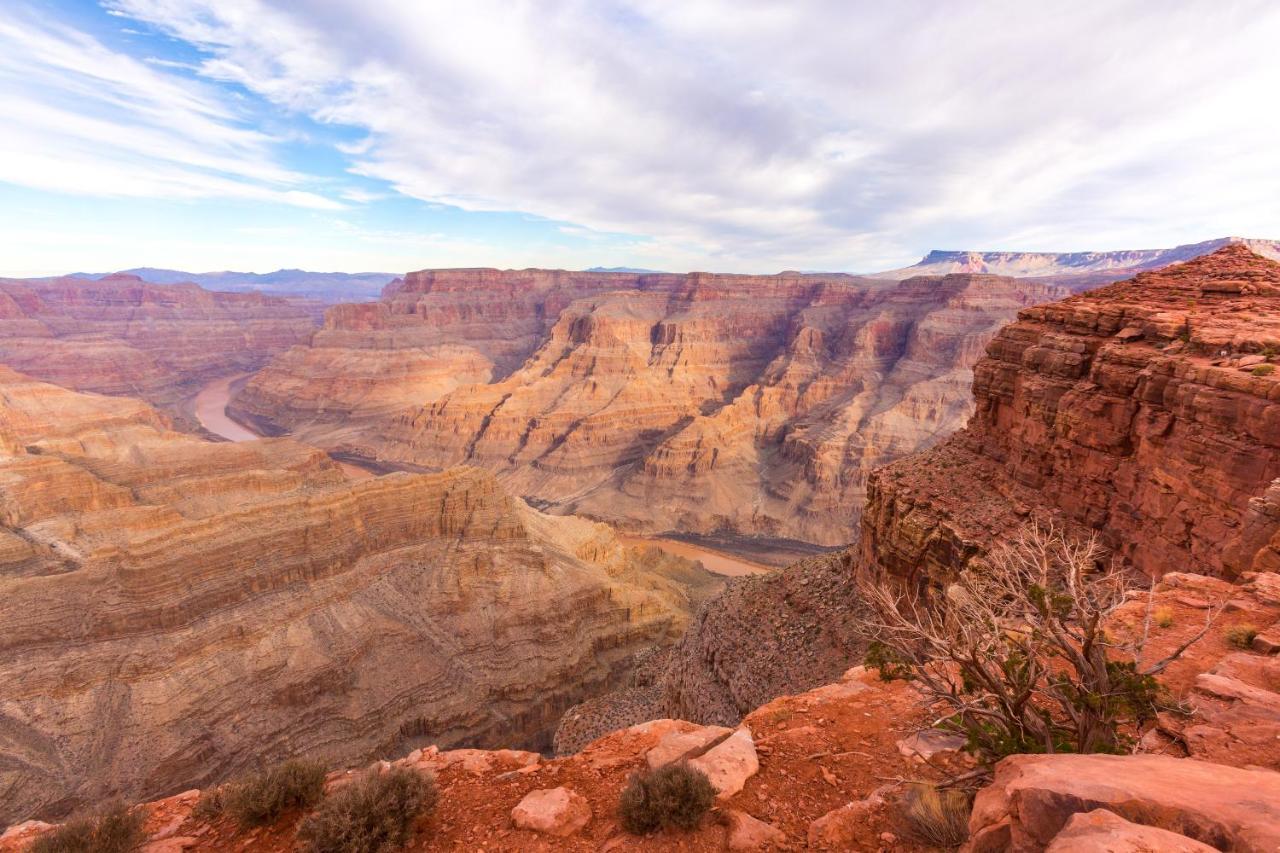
[374,814]
[1017,650]
[674,796]
[111,829]
[1164,617]
[1241,636]
[939,817]
[261,799]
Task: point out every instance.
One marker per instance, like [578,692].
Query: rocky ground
[827,769]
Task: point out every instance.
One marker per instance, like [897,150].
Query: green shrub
[262,798]
[1264,370]
[1240,636]
[674,796]
[886,661]
[372,815]
[111,829]
[938,817]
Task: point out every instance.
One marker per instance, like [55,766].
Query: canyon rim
[639,426]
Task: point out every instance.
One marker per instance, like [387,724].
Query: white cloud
[729,134]
[819,132]
[84,119]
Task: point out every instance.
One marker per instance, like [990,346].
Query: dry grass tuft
[675,796]
[261,799]
[375,814]
[1241,636]
[939,817]
[1164,617]
[111,829]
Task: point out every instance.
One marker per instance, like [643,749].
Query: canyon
[121,335]
[1146,412]
[178,610]
[740,406]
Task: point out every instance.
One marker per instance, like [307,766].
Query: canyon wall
[120,335]
[177,611]
[1147,411]
[749,405]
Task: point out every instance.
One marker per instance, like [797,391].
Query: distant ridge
[620,269]
[1030,264]
[326,286]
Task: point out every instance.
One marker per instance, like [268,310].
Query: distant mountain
[621,269]
[326,286]
[1032,264]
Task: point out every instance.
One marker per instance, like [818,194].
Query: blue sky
[676,134]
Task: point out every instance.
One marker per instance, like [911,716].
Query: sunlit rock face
[1148,411]
[176,611]
[749,405]
[121,335]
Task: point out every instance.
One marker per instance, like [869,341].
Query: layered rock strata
[751,405]
[121,335]
[176,611]
[1147,411]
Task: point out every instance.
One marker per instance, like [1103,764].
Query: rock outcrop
[176,611]
[121,335]
[1147,411]
[750,405]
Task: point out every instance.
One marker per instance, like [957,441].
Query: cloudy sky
[674,134]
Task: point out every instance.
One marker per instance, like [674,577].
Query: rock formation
[1147,411]
[175,611]
[750,405]
[1122,263]
[120,335]
[1143,411]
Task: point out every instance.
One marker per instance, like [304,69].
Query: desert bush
[674,796]
[374,814]
[210,806]
[885,661]
[1264,370]
[1164,617]
[262,798]
[1016,650]
[939,817]
[1241,636]
[114,828]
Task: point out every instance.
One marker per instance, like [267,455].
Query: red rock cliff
[1148,410]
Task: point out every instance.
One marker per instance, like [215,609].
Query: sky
[727,135]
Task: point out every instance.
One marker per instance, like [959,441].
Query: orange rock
[552,811]
[1090,832]
[749,833]
[730,763]
[1034,796]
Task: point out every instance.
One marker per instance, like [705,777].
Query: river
[211,411]
[718,562]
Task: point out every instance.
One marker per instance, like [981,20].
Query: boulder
[1034,796]
[927,743]
[730,763]
[749,833]
[1089,832]
[838,829]
[674,746]
[553,811]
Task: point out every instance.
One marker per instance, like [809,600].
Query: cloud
[84,119]
[807,134]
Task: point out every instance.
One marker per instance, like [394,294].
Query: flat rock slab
[675,746]
[749,833]
[1034,796]
[1090,832]
[730,763]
